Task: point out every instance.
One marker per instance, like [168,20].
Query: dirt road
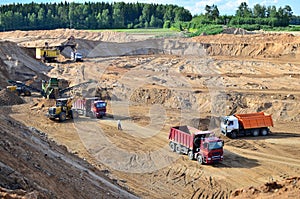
[150,93]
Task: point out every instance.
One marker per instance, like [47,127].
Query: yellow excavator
[62,110]
[51,53]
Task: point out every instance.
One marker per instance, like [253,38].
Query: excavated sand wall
[149,46]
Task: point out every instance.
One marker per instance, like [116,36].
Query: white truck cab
[76,56]
[229,124]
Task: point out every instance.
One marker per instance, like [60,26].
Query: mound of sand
[251,45]
[39,37]
[8,98]
[236,31]
[289,188]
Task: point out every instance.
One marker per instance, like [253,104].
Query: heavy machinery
[254,124]
[55,87]
[201,145]
[21,89]
[62,110]
[50,53]
[76,56]
[90,107]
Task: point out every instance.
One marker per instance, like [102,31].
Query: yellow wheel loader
[62,110]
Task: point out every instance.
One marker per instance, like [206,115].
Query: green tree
[259,11]
[271,11]
[243,10]
[106,19]
[182,14]
[72,16]
[146,13]
[41,18]
[118,15]
[167,24]
[212,12]
[155,22]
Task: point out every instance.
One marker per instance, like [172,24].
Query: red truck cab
[211,150]
[99,108]
[201,145]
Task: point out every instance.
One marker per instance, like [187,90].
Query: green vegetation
[143,18]
[89,15]
[260,17]
[208,30]
[154,32]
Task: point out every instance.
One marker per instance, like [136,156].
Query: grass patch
[152,31]
[206,29]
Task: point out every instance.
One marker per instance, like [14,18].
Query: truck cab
[210,150]
[229,124]
[99,108]
[76,56]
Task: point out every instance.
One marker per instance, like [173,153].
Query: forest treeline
[258,17]
[103,15]
[100,15]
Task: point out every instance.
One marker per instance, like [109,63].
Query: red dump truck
[90,107]
[203,146]
[254,124]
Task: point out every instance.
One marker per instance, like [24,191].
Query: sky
[227,7]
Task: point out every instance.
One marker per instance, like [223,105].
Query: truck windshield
[224,120]
[100,104]
[215,145]
[61,103]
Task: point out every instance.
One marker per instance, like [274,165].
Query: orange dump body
[255,120]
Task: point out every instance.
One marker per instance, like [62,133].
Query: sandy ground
[154,84]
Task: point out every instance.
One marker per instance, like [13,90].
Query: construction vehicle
[49,53]
[21,89]
[76,56]
[203,146]
[52,88]
[254,124]
[62,110]
[55,88]
[90,107]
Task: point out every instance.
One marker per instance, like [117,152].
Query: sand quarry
[151,83]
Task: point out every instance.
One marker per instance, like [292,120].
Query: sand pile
[38,37]
[253,45]
[236,31]
[289,188]
[8,98]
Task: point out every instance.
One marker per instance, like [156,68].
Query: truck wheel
[233,135]
[264,132]
[75,114]
[200,159]
[191,155]
[255,132]
[62,116]
[172,146]
[178,148]
[27,93]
